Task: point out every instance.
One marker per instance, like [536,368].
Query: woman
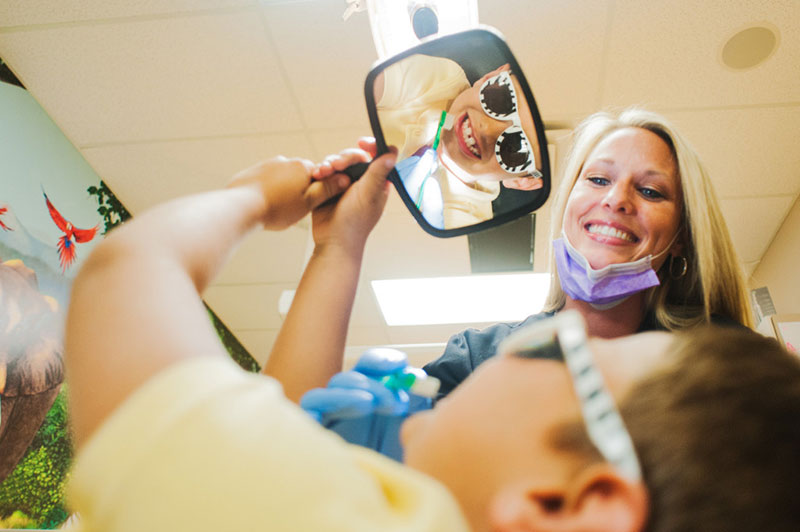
[638,238]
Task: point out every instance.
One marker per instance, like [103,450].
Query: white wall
[779,269]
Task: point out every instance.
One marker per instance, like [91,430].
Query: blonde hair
[714,282]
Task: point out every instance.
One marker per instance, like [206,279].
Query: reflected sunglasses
[563,338]
[512,148]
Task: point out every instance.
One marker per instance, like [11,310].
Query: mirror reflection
[468,146]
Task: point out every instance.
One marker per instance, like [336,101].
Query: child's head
[511,445]
[481,115]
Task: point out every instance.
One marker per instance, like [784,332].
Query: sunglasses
[513,149]
[563,338]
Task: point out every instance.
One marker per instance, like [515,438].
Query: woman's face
[627,201]
[470,142]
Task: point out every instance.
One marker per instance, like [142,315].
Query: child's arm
[310,346]
[135,306]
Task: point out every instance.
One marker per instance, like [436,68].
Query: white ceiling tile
[366,337]
[559,142]
[257,342]
[247,306]
[748,152]
[144,174]
[330,141]
[267,257]
[541,241]
[667,54]
[401,249]
[175,78]
[325,59]
[753,222]
[366,311]
[559,46]
[33,12]
[750,267]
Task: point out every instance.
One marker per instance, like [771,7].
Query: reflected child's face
[469,145]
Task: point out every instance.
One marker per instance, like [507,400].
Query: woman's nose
[618,198]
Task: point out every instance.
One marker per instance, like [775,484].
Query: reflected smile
[613,232]
[466,140]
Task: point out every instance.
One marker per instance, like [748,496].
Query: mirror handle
[355,171]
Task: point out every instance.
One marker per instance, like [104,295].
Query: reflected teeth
[469,140]
[606,230]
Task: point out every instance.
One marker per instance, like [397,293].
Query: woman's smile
[610,233]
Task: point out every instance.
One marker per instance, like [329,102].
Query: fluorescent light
[468,299]
[285,302]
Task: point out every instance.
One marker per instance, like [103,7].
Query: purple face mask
[603,288]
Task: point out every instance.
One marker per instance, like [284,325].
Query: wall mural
[49,224]
[53,210]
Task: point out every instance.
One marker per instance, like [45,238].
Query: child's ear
[492,73]
[602,500]
[597,500]
[523,183]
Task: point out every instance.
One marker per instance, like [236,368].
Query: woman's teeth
[469,140]
[606,230]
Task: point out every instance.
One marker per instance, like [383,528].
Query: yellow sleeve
[207,446]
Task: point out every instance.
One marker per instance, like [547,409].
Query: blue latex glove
[367,405]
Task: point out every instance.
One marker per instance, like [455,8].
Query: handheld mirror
[471,147]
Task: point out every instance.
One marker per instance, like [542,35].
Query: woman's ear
[597,500]
[679,246]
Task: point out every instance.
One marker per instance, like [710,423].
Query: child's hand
[349,221]
[288,190]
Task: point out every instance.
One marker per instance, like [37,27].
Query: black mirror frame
[486,36]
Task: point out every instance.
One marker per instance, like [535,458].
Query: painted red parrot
[66,246]
[4,210]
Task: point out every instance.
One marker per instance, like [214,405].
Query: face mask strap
[671,242]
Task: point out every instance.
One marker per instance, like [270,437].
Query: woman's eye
[651,193]
[598,180]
